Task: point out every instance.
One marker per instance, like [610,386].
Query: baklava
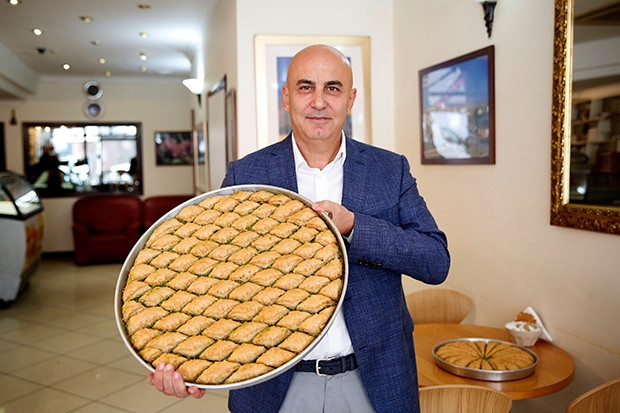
[233,287]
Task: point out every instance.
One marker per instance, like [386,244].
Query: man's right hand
[170,382]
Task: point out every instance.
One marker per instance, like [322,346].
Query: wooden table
[555,369]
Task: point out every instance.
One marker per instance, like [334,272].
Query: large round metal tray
[129,261]
[488,375]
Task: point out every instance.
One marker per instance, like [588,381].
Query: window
[81,158]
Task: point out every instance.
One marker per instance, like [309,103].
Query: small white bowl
[523,333]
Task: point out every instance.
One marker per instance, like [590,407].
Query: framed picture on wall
[457,105]
[174,148]
[231,126]
[2,149]
[273,55]
[200,149]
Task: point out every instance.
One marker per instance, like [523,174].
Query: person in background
[366,361]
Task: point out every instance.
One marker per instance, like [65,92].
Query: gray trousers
[340,393]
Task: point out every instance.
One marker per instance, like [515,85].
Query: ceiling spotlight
[102,60]
[95,42]
[143,56]
[144,35]
[37,32]
[144,6]
[143,68]
[14,2]
[66,66]
[108,74]
[86,19]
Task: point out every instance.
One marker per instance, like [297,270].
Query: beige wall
[159,106]
[505,253]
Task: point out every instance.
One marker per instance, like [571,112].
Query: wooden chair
[438,305]
[463,398]
[604,398]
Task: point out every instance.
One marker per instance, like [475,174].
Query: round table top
[555,369]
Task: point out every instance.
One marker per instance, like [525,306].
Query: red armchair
[156,207]
[105,228]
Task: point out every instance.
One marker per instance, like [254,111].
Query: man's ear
[285,103]
[352,97]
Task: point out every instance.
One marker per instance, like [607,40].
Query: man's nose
[318,100]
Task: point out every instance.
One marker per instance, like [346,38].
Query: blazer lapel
[355,177]
[282,165]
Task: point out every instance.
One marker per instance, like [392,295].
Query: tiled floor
[60,350]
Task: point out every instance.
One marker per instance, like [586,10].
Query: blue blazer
[394,234]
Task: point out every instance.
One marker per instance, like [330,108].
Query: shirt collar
[339,158]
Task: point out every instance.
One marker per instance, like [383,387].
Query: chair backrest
[156,207]
[108,214]
[463,398]
[604,398]
[438,305]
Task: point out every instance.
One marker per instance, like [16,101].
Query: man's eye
[305,87]
[333,89]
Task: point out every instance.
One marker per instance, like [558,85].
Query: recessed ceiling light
[143,68]
[144,6]
[37,32]
[102,60]
[14,2]
[66,66]
[144,35]
[108,74]
[143,56]
[95,42]
[86,19]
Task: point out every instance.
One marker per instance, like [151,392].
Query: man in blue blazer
[372,198]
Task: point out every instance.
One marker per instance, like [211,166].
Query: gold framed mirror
[603,217]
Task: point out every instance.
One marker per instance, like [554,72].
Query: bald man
[366,361]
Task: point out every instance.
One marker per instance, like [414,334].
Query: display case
[22,230]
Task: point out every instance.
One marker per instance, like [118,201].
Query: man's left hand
[342,217]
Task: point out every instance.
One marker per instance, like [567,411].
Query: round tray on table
[480,374]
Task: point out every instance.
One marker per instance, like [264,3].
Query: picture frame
[200,154]
[174,148]
[457,110]
[231,125]
[216,134]
[272,55]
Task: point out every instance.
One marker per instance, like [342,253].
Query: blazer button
[367,263]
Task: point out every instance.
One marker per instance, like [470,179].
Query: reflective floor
[60,350]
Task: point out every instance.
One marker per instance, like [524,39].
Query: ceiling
[175,34]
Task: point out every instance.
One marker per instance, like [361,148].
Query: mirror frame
[563,213]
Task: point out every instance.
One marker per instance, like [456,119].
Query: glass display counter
[22,230]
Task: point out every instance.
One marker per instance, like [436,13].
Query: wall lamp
[196,87]
[489,10]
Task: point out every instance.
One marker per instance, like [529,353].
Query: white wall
[161,106]
[505,253]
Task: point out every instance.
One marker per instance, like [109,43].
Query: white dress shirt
[318,185]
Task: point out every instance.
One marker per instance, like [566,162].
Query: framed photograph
[199,160]
[273,55]
[216,134]
[174,148]
[457,105]
[2,150]
[231,126]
